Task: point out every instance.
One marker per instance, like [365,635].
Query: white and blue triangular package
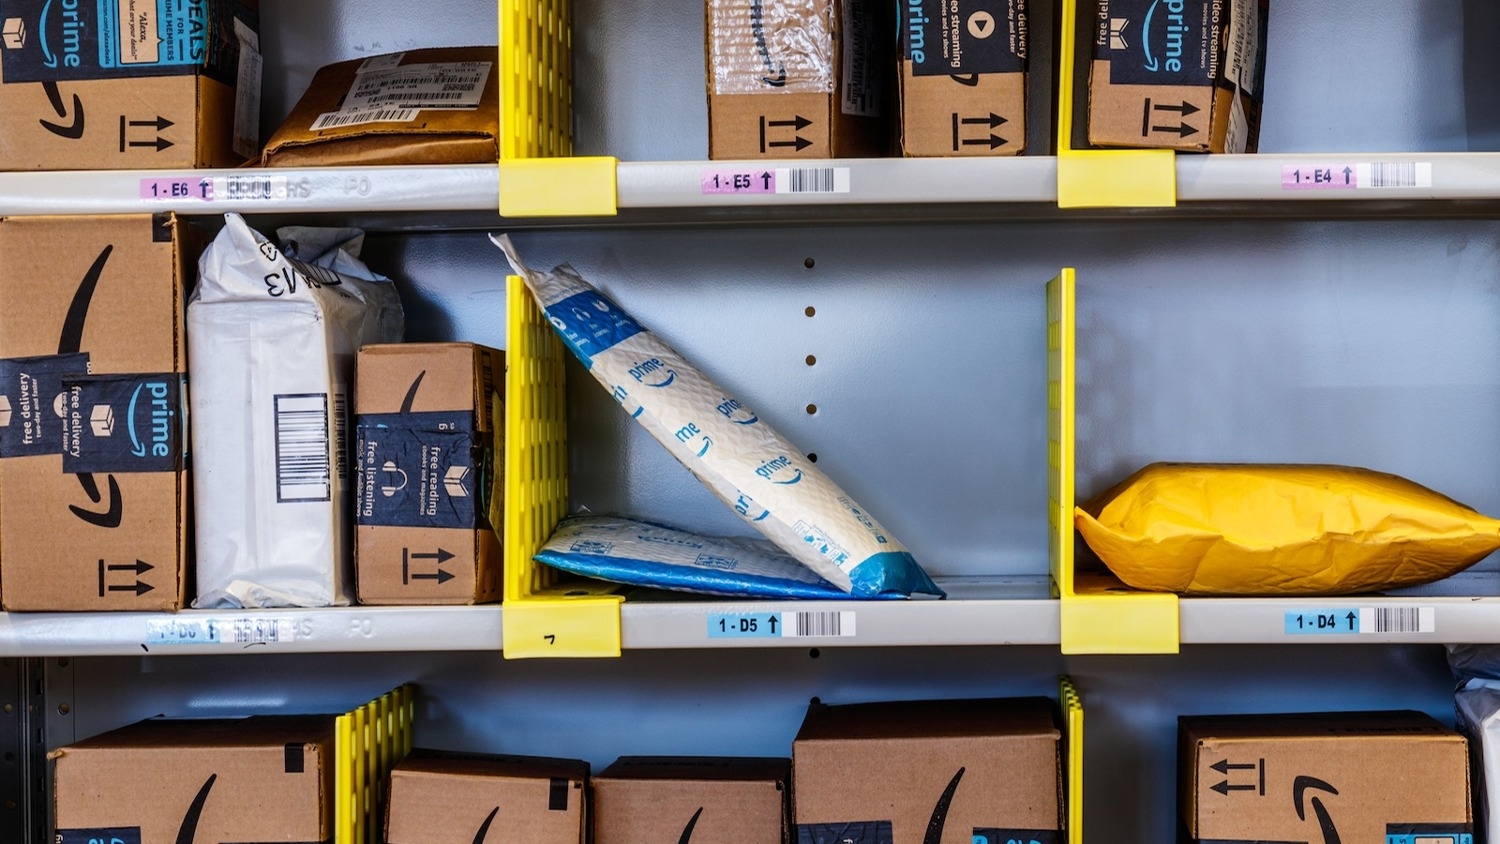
[750,467]
[639,553]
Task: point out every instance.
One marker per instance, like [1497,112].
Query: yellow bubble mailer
[1230,529]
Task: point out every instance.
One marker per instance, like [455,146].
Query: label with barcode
[781,625]
[1347,620]
[256,631]
[335,120]
[398,94]
[182,631]
[219,631]
[812,180]
[302,452]
[1357,175]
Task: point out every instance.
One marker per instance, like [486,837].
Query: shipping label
[399,94]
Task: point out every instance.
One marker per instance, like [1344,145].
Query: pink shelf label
[177,187]
[739,181]
[1319,176]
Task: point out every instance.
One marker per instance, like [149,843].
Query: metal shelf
[675,191]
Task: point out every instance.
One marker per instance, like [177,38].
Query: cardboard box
[929,772]
[806,80]
[267,778]
[81,89]
[692,798]
[455,798]
[1177,74]
[92,360]
[433,106]
[428,492]
[1359,776]
[963,77]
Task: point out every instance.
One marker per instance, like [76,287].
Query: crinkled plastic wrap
[638,553]
[1226,529]
[760,46]
[731,450]
[272,332]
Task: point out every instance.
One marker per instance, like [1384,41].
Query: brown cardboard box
[923,772]
[352,114]
[1360,776]
[92,362]
[455,798]
[798,81]
[963,77]
[174,101]
[1177,74]
[691,798]
[426,473]
[251,779]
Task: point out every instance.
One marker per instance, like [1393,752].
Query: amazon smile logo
[71,343]
[1174,27]
[687,831]
[72,28]
[656,370]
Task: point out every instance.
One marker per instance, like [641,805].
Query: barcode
[812,180]
[1395,174]
[249,187]
[302,448]
[341,433]
[1398,620]
[259,631]
[401,97]
[808,624]
[333,120]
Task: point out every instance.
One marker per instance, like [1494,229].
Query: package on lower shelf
[698,798]
[116,88]
[457,798]
[264,778]
[963,75]
[1398,777]
[986,771]
[1181,74]
[427,494]
[92,363]
[272,333]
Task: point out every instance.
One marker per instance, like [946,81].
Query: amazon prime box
[93,481]
[428,494]
[954,772]
[691,798]
[802,80]
[439,797]
[1177,74]
[963,77]
[1398,777]
[129,84]
[266,778]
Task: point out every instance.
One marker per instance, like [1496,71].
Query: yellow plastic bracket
[367,744]
[540,617]
[1099,615]
[1072,710]
[1124,178]
[585,186]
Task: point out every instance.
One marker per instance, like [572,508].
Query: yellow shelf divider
[1099,614]
[538,175]
[542,617]
[367,744]
[1072,711]
[1113,178]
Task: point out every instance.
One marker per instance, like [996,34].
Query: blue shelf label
[754,625]
[1430,838]
[1344,620]
[182,631]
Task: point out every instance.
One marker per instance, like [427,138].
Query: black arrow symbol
[1347,173]
[1224,787]
[140,588]
[993,120]
[773,625]
[441,576]
[1185,109]
[801,143]
[1183,130]
[140,567]
[159,143]
[1225,766]
[994,142]
[160,123]
[440,555]
[799,123]
[1352,618]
